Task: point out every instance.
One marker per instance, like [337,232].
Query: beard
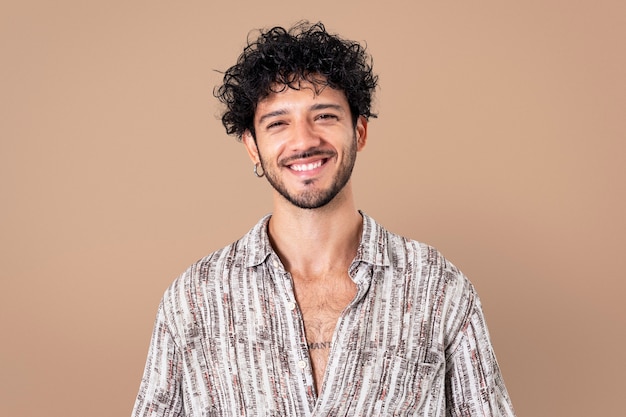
[314,198]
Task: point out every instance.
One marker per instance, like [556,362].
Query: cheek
[268,155]
[273,148]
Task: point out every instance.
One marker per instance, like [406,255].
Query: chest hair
[321,302]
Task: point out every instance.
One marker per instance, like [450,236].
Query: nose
[305,136]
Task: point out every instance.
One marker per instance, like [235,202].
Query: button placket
[291,303]
[301,353]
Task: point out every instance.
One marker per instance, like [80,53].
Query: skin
[307,145]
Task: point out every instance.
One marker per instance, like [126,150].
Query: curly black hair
[286,57]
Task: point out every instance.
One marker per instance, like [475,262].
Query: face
[306,143]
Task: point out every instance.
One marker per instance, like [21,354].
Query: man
[318,310]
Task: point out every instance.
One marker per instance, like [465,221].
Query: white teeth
[307,167]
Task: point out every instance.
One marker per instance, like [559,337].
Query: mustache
[307,154]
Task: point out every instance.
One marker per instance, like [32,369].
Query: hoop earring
[256,171]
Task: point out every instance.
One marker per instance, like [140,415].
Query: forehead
[300,94]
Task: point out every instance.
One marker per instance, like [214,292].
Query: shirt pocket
[405,386]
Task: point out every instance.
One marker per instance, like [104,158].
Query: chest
[249,350]
[258,366]
[321,305]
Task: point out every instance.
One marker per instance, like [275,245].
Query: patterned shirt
[229,339]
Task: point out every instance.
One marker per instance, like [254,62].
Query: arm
[160,394]
[474,384]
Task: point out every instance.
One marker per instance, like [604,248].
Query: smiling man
[308,139]
[317,310]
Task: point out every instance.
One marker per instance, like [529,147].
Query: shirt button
[275,263]
[302,364]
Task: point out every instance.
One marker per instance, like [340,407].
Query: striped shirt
[229,339]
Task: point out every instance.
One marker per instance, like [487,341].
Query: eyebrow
[272,114]
[315,107]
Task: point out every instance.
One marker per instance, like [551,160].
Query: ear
[250,144]
[360,131]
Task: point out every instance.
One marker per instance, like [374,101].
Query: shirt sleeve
[474,383]
[160,391]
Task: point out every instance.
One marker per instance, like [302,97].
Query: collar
[372,250]
[374,247]
[256,244]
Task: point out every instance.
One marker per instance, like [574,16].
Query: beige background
[501,141]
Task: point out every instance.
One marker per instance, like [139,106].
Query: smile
[307,167]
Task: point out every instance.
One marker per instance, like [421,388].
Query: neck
[314,242]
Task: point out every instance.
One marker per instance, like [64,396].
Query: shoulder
[404,253]
[208,276]
[183,296]
[435,281]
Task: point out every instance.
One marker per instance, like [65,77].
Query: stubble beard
[314,198]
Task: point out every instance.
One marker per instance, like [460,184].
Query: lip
[301,166]
[308,166]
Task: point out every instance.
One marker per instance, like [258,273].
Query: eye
[327,116]
[275,124]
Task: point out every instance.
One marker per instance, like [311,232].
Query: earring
[256,171]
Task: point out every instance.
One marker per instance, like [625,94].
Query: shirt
[229,339]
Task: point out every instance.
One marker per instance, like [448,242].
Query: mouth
[309,166]
[309,162]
